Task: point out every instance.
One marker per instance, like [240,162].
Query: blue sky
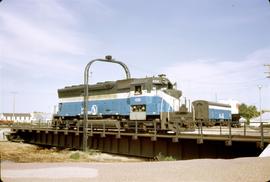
[211,48]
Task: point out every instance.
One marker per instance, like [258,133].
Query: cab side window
[138,90]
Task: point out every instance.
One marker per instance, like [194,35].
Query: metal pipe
[107,59]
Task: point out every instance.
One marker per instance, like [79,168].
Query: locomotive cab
[137,95]
[151,96]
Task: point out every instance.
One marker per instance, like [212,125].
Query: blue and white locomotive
[137,99]
[130,99]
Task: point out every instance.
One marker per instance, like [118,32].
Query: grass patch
[93,152]
[75,156]
[20,152]
[161,157]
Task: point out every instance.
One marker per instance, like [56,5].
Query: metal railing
[227,130]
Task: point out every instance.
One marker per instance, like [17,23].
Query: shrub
[75,156]
[161,157]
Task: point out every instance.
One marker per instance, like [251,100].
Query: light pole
[261,124]
[260,95]
[14,104]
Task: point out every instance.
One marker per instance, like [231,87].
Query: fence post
[229,141]
[200,133]
[262,136]
[154,138]
[91,127]
[118,136]
[220,130]
[103,129]
[230,131]
[245,128]
[135,137]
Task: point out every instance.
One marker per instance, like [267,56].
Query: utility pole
[267,72]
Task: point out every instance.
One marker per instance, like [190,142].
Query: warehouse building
[33,117]
[16,117]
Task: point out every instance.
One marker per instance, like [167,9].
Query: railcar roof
[213,103]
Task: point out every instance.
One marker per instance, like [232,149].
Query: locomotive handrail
[107,59]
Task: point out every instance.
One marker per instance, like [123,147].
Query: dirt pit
[21,152]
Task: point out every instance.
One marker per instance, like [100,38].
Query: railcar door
[201,110]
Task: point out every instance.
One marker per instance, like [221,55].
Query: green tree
[248,112]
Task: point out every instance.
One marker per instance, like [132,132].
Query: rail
[223,131]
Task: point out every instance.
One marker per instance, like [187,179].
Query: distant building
[33,117]
[17,117]
[37,117]
[265,118]
[233,103]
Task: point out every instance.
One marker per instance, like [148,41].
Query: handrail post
[245,128]
[220,130]
[262,136]
[136,127]
[135,136]
[201,129]
[103,129]
[118,131]
[200,132]
[230,130]
[154,138]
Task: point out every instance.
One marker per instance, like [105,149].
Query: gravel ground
[241,169]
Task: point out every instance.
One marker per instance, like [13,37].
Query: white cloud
[39,40]
[36,42]
[206,79]
[26,35]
